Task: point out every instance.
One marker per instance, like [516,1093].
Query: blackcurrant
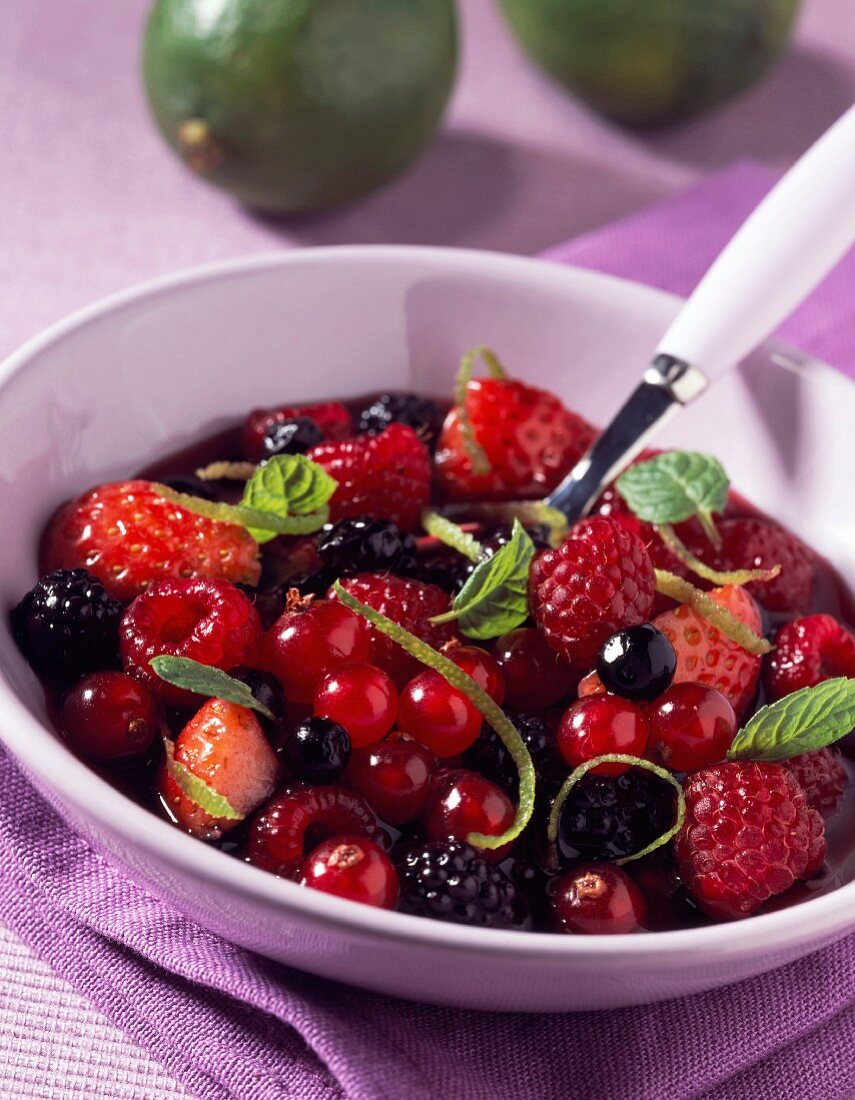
[319,750]
[291,437]
[637,663]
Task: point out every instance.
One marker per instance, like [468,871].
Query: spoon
[792,239]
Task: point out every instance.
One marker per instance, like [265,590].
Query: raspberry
[600,580]
[387,476]
[419,413]
[409,603]
[807,652]
[127,535]
[208,621]
[448,880]
[529,438]
[748,835]
[332,418]
[821,776]
[302,816]
[68,624]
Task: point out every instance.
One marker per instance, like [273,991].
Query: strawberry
[385,476]
[529,439]
[127,535]
[332,418]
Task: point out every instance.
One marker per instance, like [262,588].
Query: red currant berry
[362,699]
[354,868]
[691,727]
[109,715]
[598,899]
[438,715]
[601,724]
[395,777]
[308,641]
[465,802]
[480,666]
[535,676]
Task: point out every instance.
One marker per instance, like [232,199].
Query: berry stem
[735,576]
[495,716]
[233,471]
[618,758]
[668,584]
[451,535]
[709,528]
[477,455]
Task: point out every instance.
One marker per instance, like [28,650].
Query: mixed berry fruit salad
[350,644]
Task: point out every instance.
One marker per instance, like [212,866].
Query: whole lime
[649,62]
[297,105]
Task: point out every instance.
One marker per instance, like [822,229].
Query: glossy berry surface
[291,437]
[419,413]
[361,698]
[535,676]
[808,651]
[637,663]
[264,686]
[395,777]
[598,725]
[490,758]
[598,899]
[691,727]
[354,868]
[331,417]
[437,715]
[362,545]
[318,750]
[450,881]
[481,667]
[310,639]
[209,621]
[108,716]
[464,802]
[610,817]
[68,624]
[821,776]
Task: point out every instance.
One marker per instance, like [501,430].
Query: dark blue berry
[363,545]
[191,485]
[490,757]
[318,750]
[419,413]
[266,689]
[638,663]
[291,437]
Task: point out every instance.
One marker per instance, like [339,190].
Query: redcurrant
[395,777]
[438,715]
[464,802]
[598,899]
[691,727]
[362,699]
[601,724]
[109,715]
[354,868]
[480,666]
[535,676]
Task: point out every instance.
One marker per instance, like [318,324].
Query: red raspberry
[530,439]
[748,835]
[409,603]
[386,476]
[598,581]
[807,652]
[302,815]
[223,745]
[332,418]
[127,535]
[821,776]
[209,621]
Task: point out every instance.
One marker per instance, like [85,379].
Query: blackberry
[490,757]
[291,437]
[68,624]
[609,817]
[448,880]
[419,413]
[637,663]
[448,570]
[363,545]
[501,536]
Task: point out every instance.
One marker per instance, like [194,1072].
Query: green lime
[299,104]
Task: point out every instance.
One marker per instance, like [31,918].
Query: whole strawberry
[808,651]
[821,776]
[748,835]
[332,418]
[127,535]
[386,476]
[529,439]
[600,580]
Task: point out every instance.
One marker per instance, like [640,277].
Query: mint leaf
[206,680]
[240,516]
[288,485]
[495,598]
[674,486]
[197,790]
[803,721]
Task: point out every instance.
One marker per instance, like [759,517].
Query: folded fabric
[230,1024]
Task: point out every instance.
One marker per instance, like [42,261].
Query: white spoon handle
[793,238]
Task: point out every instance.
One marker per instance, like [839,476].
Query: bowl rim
[43,754]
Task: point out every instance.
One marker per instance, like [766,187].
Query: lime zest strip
[231,471]
[618,758]
[241,516]
[505,729]
[449,534]
[669,584]
[529,512]
[735,576]
[477,454]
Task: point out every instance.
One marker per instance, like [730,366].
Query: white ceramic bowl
[137,376]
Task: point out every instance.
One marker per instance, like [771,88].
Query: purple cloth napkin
[230,1024]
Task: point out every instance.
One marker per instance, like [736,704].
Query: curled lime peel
[477,455]
[450,534]
[619,758]
[734,576]
[528,512]
[669,584]
[240,516]
[493,714]
[226,471]
[199,792]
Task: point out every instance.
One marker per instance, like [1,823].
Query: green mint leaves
[675,486]
[202,679]
[197,790]
[804,721]
[495,598]
[288,485]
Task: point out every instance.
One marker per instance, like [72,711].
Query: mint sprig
[804,721]
[675,486]
[197,790]
[183,672]
[290,485]
[494,599]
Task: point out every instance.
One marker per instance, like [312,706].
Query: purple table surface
[90,201]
